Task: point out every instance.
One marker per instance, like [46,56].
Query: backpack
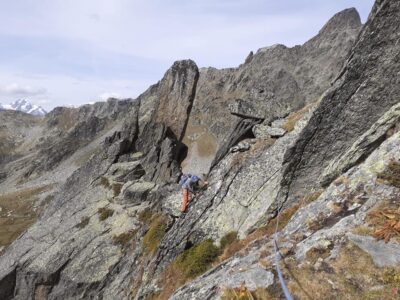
[184,178]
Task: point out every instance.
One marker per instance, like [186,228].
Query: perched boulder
[246,109]
[278,123]
[265,131]
[242,146]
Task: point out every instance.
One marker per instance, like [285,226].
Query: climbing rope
[277,256]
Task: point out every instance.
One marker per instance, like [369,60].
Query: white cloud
[17,90]
[105,96]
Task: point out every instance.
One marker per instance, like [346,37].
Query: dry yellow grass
[385,221]
[294,117]
[337,280]
[243,293]
[17,212]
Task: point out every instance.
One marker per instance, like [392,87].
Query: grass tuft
[116,187]
[145,216]
[83,223]
[124,238]
[197,259]
[243,293]
[105,213]
[105,182]
[391,174]
[391,276]
[385,220]
[154,235]
[188,265]
[228,239]
[294,117]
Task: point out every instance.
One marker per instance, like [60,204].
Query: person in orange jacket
[190,183]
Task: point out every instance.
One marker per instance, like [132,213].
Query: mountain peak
[25,106]
[348,18]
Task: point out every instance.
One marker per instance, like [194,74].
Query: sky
[72,52]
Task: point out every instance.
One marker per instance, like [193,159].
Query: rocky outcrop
[323,226]
[265,131]
[276,80]
[362,93]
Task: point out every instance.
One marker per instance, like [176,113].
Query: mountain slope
[113,229]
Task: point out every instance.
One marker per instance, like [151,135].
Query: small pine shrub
[154,235]
[83,223]
[228,239]
[197,259]
[124,238]
[105,213]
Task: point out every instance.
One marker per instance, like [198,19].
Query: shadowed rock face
[366,88]
[88,242]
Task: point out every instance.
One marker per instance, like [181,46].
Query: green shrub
[391,174]
[105,213]
[124,238]
[84,222]
[145,216]
[228,239]
[116,187]
[154,235]
[198,259]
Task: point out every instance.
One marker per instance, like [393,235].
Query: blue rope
[278,269]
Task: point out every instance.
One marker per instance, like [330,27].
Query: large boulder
[265,131]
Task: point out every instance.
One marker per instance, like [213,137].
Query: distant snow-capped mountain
[25,106]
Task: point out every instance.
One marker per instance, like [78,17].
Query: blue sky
[71,52]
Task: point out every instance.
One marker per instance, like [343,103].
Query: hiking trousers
[186,198]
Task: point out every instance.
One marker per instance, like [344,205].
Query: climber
[190,184]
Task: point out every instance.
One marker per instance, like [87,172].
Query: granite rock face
[323,226]
[276,81]
[365,90]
